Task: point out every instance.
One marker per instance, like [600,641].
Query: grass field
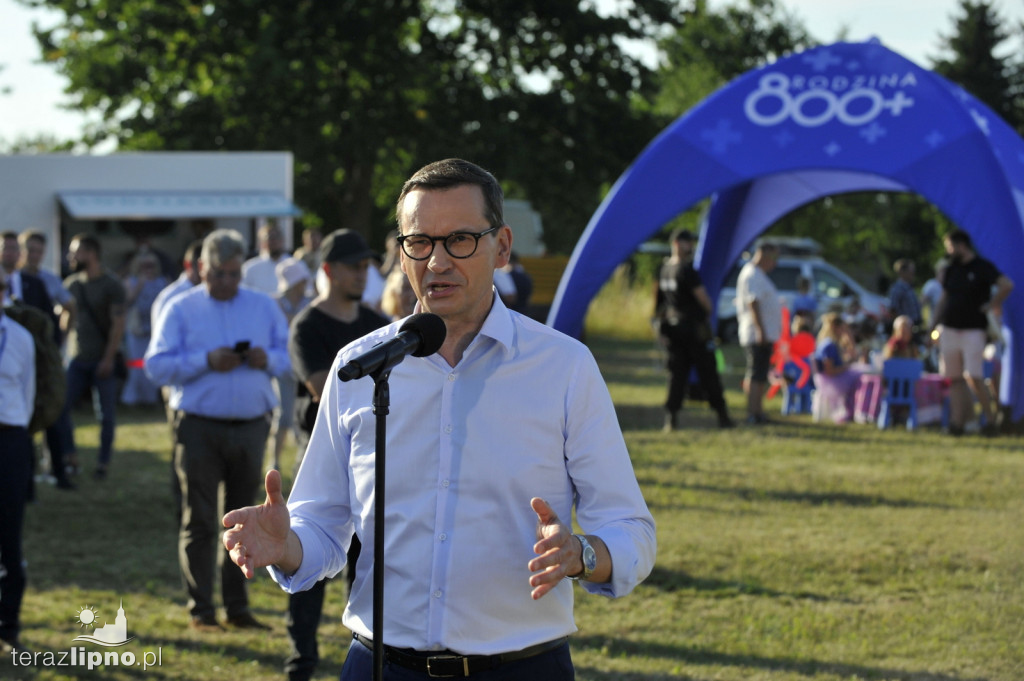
[795,551]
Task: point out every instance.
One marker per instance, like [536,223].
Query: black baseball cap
[345,245]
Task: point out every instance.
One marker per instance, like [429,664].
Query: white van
[833,288]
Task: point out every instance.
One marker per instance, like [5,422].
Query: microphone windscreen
[431,329]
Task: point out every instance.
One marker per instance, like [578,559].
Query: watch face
[589,559]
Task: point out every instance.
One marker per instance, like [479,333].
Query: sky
[910,27]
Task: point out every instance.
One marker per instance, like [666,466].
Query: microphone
[421,335]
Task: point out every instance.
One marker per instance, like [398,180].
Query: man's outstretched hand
[558,554]
[262,535]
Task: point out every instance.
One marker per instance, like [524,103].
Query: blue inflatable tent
[838,118]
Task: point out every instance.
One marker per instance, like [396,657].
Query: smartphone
[241,347]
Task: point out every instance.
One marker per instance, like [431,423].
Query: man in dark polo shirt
[971,289]
[336,318]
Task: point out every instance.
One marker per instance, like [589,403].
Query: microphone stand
[381,408]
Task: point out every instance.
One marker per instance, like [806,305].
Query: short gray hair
[222,245]
[455,172]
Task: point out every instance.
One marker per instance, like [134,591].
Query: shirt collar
[498,324]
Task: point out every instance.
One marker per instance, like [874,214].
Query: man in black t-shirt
[317,333]
[972,287]
[683,310]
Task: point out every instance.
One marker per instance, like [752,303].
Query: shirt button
[451,377]
[445,483]
[436,594]
[442,536]
[448,428]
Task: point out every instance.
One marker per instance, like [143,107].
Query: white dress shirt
[191,325]
[260,273]
[754,284]
[13,290]
[17,373]
[524,414]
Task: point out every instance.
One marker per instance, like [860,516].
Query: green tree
[539,91]
[712,47]
[972,60]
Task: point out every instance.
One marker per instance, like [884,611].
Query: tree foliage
[539,91]
[712,47]
[974,64]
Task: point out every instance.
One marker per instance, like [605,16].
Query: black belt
[444,663]
[225,422]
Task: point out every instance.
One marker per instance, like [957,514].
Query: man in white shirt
[759,313]
[260,273]
[503,432]
[18,387]
[188,278]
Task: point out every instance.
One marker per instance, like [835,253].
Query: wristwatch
[589,557]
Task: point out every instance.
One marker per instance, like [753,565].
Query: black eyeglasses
[458,244]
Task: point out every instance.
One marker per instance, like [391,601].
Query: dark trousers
[15,478]
[81,377]
[553,665]
[304,610]
[306,607]
[689,349]
[209,454]
[57,437]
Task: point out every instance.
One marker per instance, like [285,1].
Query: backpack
[51,383]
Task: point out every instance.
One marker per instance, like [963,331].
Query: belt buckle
[439,658]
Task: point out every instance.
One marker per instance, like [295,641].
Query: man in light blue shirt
[493,442]
[218,346]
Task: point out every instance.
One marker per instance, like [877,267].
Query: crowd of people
[952,325]
[240,352]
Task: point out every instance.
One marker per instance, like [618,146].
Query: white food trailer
[163,199]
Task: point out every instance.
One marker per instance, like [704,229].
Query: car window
[828,285]
[784,277]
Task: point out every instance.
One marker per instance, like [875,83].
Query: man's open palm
[259,534]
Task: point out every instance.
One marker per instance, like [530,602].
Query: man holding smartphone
[218,346]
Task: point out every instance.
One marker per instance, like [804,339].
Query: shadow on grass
[588,674]
[615,648]
[643,417]
[670,581]
[816,498]
[107,533]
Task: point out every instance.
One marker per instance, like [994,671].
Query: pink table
[930,391]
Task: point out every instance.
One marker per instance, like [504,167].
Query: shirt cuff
[308,573]
[630,564]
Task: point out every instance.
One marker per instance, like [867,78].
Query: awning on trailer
[166,205]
